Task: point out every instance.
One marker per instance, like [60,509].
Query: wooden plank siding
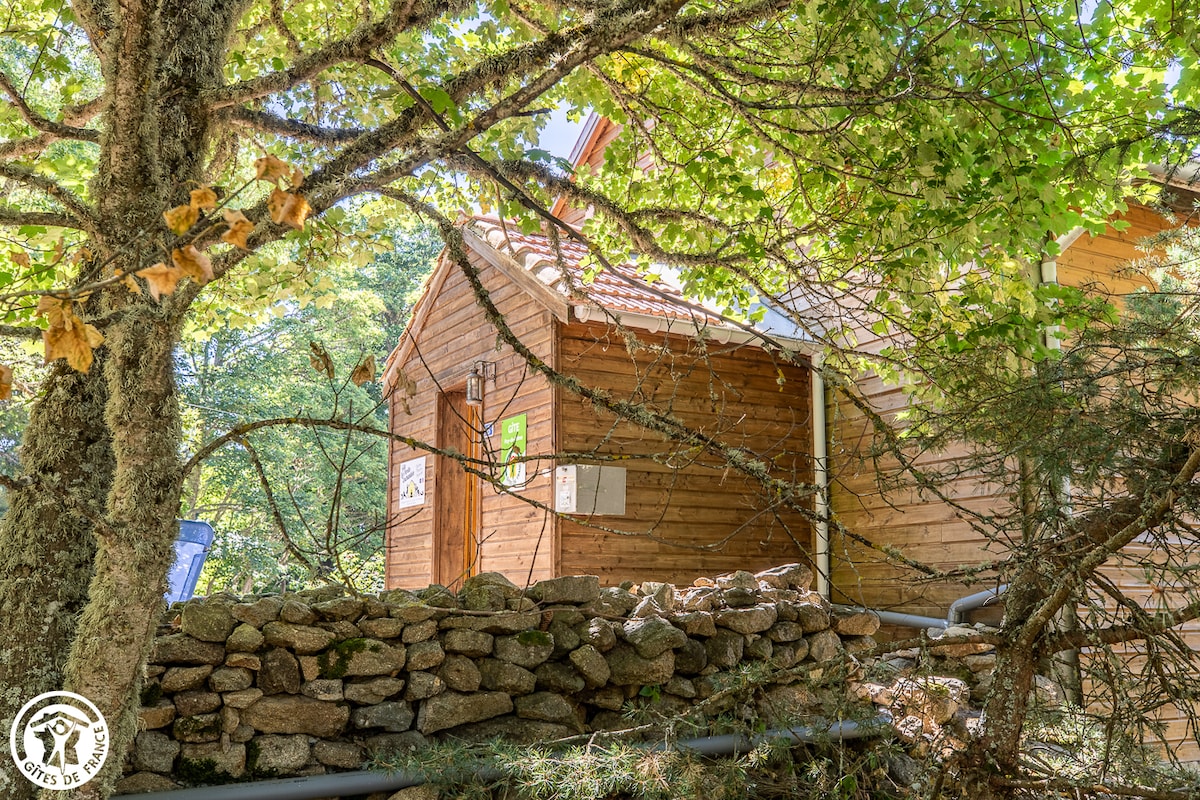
[454,334]
[930,531]
[925,528]
[1157,589]
[687,515]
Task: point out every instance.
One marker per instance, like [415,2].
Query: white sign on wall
[412,483]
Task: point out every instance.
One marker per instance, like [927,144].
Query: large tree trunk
[47,544]
[116,630]
[154,140]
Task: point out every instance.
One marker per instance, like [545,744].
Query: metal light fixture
[480,371]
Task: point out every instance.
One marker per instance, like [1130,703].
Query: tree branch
[97,18]
[564,51]
[74,115]
[1155,512]
[82,214]
[19,332]
[1081,789]
[1158,624]
[402,15]
[23,147]
[40,123]
[13,484]
[50,219]
[282,126]
[276,515]
[238,433]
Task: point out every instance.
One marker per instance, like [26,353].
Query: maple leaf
[297,177]
[203,198]
[53,309]
[75,344]
[239,228]
[288,208]
[270,168]
[180,219]
[161,279]
[128,280]
[6,381]
[20,258]
[320,360]
[193,263]
[68,336]
[364,372]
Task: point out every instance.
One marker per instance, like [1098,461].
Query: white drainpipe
[820,475]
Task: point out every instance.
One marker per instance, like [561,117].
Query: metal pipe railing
[312,787]
[954,615]
[962,605]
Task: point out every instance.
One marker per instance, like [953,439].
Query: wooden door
[456,493]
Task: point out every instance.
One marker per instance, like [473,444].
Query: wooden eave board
[551,300]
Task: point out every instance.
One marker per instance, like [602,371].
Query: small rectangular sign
[512,447]
[412,483]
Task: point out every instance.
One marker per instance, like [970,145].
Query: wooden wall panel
[454,335]
[687,515]
[925,528]
[1157,592]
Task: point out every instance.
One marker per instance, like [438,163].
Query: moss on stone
[535,639]
[151,694]
[253,752]
[202,772]
[334,662]
[198,726]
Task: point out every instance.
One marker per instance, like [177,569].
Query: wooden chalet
[560,487]
[683,514]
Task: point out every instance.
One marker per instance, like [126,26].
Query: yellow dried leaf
[239,228]
[297,177]
[193,263]
[75,344]
[20,258]
[320,360]
[288,209]
[270,168]
[203,198]
[161,279]
[68,336]
[54,309]
[180,219]
[364,372]
[128,280]
[6,380]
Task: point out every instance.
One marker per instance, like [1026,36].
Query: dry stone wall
[246,688]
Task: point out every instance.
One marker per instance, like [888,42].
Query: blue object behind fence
[191,548]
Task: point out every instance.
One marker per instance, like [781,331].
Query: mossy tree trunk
[109,440]
[152,154]
[47,544]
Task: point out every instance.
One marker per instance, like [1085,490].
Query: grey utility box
[589,489]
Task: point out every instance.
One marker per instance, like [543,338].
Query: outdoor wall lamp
[480,371]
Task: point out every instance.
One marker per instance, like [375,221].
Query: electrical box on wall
[589,489]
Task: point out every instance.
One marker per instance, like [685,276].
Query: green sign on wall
[512,448]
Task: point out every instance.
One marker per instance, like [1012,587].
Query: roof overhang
[721,334]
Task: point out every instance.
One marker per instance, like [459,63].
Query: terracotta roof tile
[619,289]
